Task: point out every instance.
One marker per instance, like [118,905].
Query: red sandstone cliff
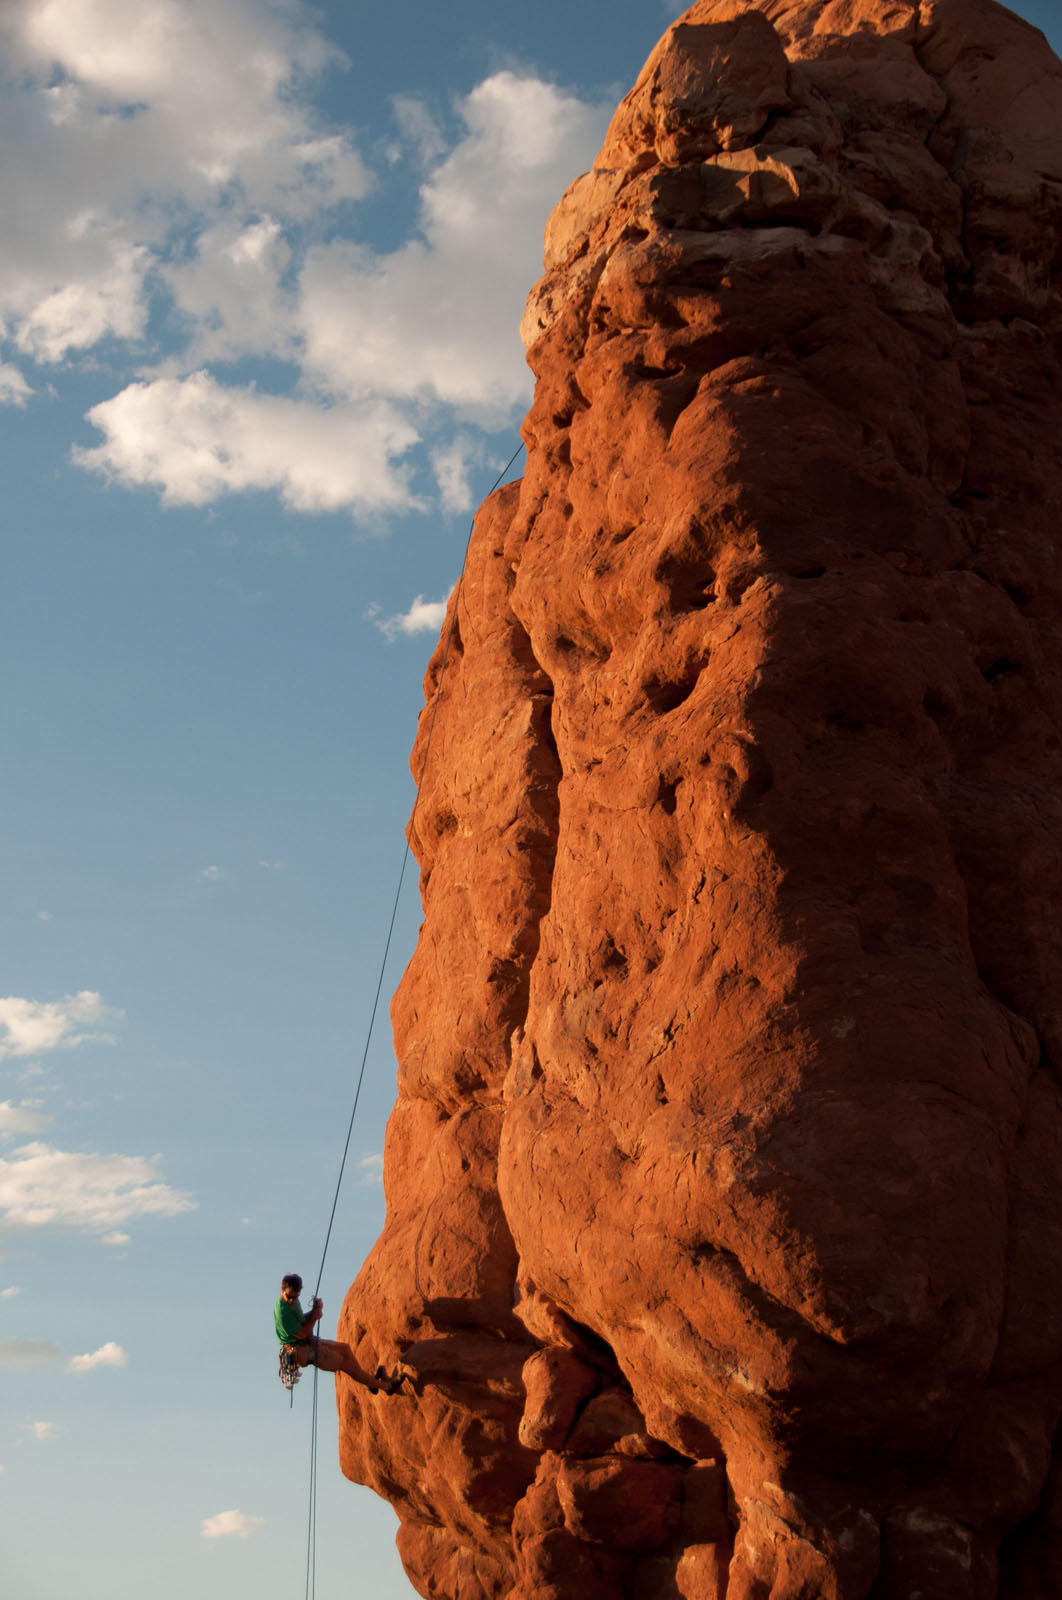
[724,1223]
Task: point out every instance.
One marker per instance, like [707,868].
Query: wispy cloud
[20,1119]
[41,1186]
[108,1355]
[42,1430]
[423,616]
[211,874]
[29,1027]
[114,1238]
[371,1169]
[229,1524]
[25,1352]
[14,389]
[452,465]
[10,1292]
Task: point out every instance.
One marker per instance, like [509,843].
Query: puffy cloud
[23,1352]
[423,616]
[108,1355]
[42,1430]
[10,1292]
[80,314]
[177,194]
[114,1238]
[438,318]
[211,874]
[194,439]
[20,1119]
[42,1186]
[230,291]
[226,1524]
[136,121]
[30,1026]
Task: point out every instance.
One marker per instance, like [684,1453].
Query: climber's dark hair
[291,1280]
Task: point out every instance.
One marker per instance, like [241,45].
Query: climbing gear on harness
[290,1372]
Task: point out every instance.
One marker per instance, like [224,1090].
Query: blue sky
[262,277]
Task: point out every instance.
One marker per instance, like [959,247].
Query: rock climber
[295,1330]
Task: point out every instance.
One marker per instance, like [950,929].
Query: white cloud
[419,128]
[10,1292]
[42,1186]
[195,440]
[450,464]
[81,314]
[44,916]
[171,162]
[115,1238]
[30,1026]
[211,874]
[20,1119]
[272,866]
[371,1169]
[438,318]
[108,1355]
[13,386]
[23,1352]
[225,1524]
[231,291]
[423,616]
[42,1430]
[136,122]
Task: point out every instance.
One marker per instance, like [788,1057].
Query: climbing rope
[311,1515]
[311,1521]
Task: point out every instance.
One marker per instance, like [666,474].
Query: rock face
[724,1229]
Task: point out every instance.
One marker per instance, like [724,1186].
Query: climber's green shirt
[288,1320]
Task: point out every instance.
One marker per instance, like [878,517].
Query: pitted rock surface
[724,1237]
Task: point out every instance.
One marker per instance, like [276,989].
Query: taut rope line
[311,1521]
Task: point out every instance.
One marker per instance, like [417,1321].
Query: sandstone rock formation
[724,1229]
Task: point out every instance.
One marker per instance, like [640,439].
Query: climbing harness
[311,1525]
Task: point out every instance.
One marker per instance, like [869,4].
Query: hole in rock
[811,572]
[845,720]
[936,706]
[664,697]
[690,585]
[612,957]
[640,371]
[999,669]
[666,795]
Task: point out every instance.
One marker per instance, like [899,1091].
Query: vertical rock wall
[724,1226]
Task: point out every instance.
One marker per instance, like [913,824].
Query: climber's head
[290,1286]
